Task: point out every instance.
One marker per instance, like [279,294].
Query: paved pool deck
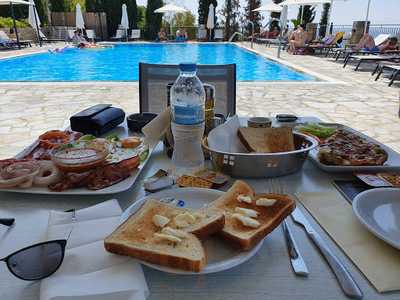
[343,96]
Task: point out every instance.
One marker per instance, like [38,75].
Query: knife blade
[298,264]
[345,280]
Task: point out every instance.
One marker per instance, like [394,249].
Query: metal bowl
[256,165]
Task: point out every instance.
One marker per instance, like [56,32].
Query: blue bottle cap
[187,67]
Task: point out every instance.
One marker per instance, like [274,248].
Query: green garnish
[143,155]
[112,138]
[66,146]
[317,130]
[87,138]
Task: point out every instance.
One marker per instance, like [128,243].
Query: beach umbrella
[11,3]
[210,19]
[272,7]
[283,21]
[170,9]
[79,22]
[34,21]
[125,20]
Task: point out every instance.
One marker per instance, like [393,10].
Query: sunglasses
[37,261]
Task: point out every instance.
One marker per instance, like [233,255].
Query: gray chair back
[154,78]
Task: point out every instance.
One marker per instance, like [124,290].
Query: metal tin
[257,165]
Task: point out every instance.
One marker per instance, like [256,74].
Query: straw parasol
[170,9]
[11,3]
[125,20]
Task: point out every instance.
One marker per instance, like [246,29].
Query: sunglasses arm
[7,222]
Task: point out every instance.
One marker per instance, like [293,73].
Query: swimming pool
[120,63]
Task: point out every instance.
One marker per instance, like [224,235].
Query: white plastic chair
[218,34]
[70,33]
[135,34]
[91,35]
[201,34]
[120,34]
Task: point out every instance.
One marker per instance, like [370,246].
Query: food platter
[118,187]
[391,164]
[220,256]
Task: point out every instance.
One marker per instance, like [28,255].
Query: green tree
[141,22]
[153,20]
[308,14]
[58,5]
[186,19]
[203,10]
[21,11]
[324,19]
[231,14]
[253,16]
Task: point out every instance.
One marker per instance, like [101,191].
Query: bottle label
[188,115]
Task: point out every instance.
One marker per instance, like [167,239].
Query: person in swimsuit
[297,39]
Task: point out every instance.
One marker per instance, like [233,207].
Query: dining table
[267,275]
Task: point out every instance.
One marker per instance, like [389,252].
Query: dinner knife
[346,281]
[298,264]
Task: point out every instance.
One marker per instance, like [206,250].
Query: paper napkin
[88,271]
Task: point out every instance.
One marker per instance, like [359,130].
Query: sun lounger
[44,38]
[328,44]
[7,42]
[201,34]
[393,68]
[135,34]
[119,35]
[218,34]
[90,34]
[372,58]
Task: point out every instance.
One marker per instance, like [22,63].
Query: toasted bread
[137,237]
[269,217]
[193,181]
[267,140]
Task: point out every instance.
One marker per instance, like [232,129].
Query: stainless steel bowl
[256,165]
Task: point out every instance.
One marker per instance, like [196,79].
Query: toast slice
[138,236]
[267,140]
[268,217]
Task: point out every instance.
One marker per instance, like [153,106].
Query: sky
[344,12]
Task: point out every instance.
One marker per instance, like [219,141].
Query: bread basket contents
[171,236]
[267,140]
[63,160]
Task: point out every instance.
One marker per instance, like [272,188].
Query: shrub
[8,23]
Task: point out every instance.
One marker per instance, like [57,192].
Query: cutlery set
[343,276]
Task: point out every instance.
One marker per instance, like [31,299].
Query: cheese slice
[265,202]
[246,212]
[168,237]
[160,221]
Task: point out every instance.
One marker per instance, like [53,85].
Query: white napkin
[88,271]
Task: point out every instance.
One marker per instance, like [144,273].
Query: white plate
[220,256]
[119,187]
[379,210]
[392,163]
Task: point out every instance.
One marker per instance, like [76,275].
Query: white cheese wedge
[175,232]
[246,212]
[244,198]
[246,221]
[160,221]
[184,220]
[168,237]
[265,202]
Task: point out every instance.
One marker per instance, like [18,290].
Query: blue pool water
[120,63]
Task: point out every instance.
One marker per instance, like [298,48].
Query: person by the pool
[161,36]
[297,39]
[181,35]
[366,43]
[78,40]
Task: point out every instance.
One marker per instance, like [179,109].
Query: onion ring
[19,174]
[48,174]
[53,138]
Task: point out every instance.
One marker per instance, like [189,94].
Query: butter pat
[246,221]
[168,237]
[244,198]
[175,232]
[246,212]
[265,202]
[160,221]
[184,220]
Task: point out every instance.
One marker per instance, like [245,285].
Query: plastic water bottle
[187,108]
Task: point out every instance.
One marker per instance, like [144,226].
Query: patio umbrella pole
[367,17]
[37,26]
[15,24]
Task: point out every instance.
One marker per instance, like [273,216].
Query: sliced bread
[241,196]
[146,235]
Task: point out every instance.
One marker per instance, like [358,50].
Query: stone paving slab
[29,109]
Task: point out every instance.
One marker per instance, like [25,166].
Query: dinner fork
[296,260]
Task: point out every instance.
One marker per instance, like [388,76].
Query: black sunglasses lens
[37,262]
